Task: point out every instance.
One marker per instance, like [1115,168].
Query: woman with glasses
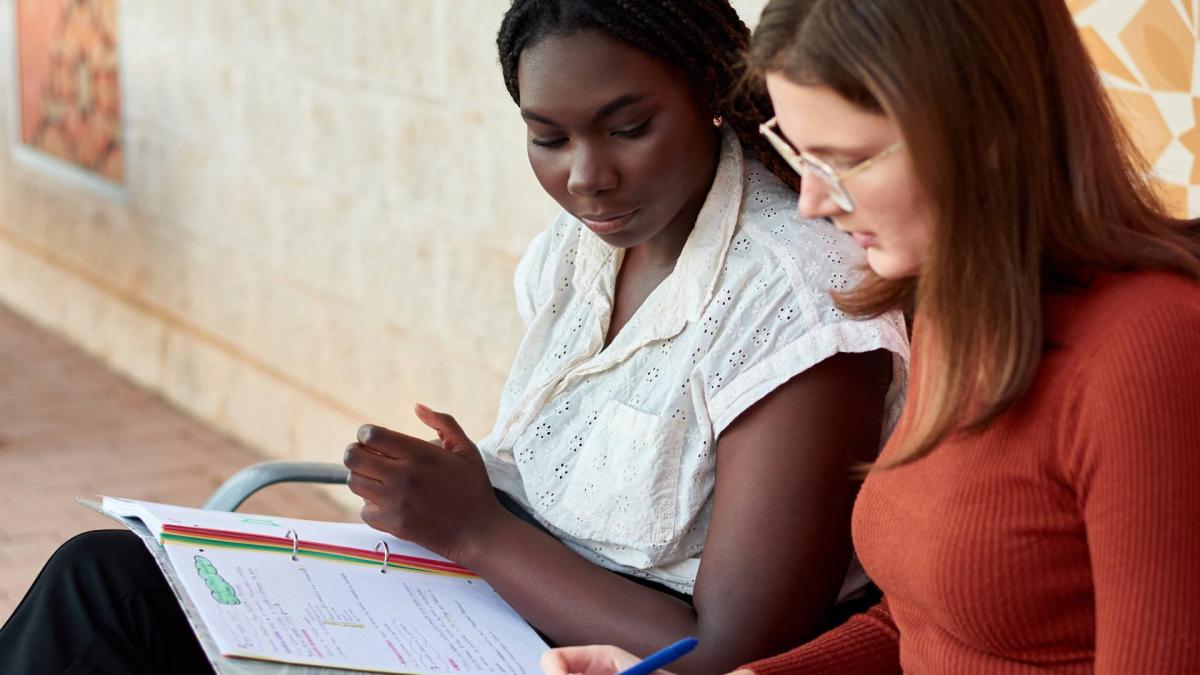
[685,394]
[1036,508]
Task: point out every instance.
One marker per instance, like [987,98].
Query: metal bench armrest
[238,487]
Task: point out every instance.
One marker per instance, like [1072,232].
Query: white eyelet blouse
[612,449]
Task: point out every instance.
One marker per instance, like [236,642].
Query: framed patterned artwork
[68,99]
[1148,53]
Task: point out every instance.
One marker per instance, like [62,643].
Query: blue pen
[661,657]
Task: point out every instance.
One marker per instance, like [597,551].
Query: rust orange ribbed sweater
[1066,535]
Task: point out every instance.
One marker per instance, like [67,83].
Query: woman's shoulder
[781,272]
[1146,288]
[1133,371]
[774,239]
[766,201]
[1122,306]
[1127,332]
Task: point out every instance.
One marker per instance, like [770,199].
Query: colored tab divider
[200,536]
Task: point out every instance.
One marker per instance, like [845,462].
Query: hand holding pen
[607,660]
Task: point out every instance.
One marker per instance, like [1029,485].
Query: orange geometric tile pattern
[1146,51]
[70,99]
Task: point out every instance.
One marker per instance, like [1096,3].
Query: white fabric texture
[612,448]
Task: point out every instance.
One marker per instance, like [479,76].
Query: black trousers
[102,606]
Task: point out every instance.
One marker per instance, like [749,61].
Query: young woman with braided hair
[686,386]
[686,391]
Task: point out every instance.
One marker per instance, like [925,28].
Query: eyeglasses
[805,164]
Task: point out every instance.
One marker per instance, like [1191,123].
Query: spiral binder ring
[385,555]
[295,542]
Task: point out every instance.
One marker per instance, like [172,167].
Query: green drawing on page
[221,590]
[260,521]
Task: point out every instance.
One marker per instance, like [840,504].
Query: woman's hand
[596,660]
[437,497]
[589,660]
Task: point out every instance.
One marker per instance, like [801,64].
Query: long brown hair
[1035,183]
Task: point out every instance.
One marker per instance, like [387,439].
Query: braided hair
[704,38]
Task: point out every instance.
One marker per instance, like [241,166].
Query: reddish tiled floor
[69,427]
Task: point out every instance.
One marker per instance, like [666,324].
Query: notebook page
[353,616]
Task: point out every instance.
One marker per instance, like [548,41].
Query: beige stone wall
[325,203]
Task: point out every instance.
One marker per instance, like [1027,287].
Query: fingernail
[364,432]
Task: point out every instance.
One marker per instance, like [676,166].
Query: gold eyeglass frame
[804,163]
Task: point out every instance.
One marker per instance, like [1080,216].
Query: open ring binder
[385,554]
[291,534]
[238,588]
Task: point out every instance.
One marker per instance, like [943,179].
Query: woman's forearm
[574,601]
